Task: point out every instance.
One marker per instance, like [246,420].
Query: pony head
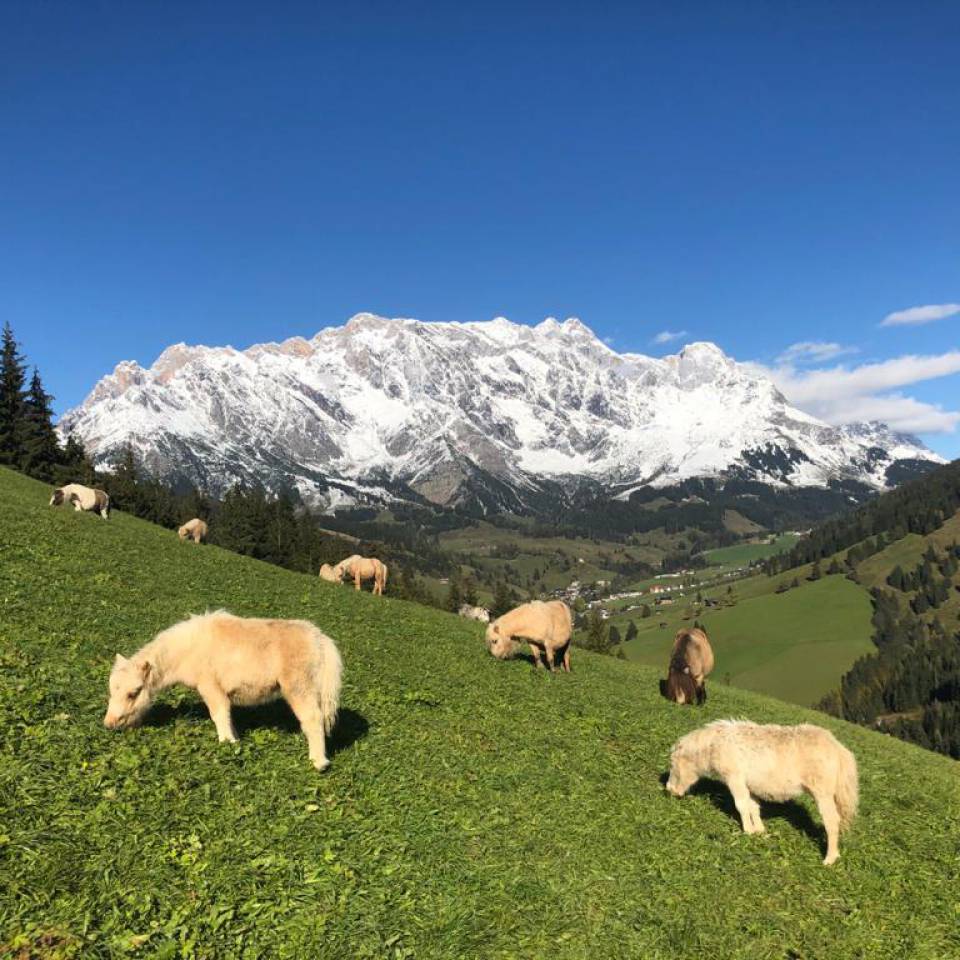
[131,693]
[57,498]
[683,771]
[680,687]
[500,645]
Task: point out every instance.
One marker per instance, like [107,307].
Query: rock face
[495,413]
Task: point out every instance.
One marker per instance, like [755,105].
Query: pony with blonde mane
[771,762]
[195,530]
[546,626]
[83,499]
[235,661]
[328,573]
[363,568]
[691,659]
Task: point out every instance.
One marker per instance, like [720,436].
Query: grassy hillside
[473,809]
[793,646]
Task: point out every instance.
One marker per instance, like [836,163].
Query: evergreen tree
[74,465]
[12,379]
[631,632]
[454,596]
[815,572]
[614,635]
[645,611]
[834,567]
[40,450]
[502,600]
[596,632]
[469,594]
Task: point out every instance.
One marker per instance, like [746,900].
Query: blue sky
[756,174]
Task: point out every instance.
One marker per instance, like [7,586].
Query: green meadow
[473,809]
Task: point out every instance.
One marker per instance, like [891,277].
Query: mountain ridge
[446,412]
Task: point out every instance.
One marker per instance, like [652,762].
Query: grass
[742,554]
[794,646]
[473,808]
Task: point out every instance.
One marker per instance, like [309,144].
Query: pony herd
[234,661]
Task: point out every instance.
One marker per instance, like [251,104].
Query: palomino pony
[195,530]
[363,568]
[773,763]
[238,661]
[691,659]
[545,626]
[328,573]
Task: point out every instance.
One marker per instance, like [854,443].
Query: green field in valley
[742,554]
[473,809]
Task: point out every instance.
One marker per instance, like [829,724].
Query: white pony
[774,763]
[239,661]
[82,498]
[482,614]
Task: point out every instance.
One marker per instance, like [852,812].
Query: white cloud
[665,336]
[918,315]
[813,351]
[870,392]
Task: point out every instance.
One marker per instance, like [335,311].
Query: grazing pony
[545,626]
[240,661]
[82,498]
[328,573]
[773,763]
[474,613]
[691,659]
[363,568]
[195,530]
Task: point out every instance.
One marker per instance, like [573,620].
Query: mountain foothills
[904,547]
[489,416]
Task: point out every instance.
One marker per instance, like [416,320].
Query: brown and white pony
[690,661]
[83,499]
[363,568]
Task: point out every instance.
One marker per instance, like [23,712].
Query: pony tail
[847,791]
[328,679]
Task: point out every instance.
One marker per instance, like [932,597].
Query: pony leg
[747,807]
[831,823]
[307,710]
[218,703]
[566,659]
[356,581]
[548,653]
[535,650]
[701,694]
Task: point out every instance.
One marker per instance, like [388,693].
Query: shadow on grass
[350,727]
[796,814]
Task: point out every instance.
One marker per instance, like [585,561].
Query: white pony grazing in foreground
[773,763]
[82,498]
[235,660]
[545,626]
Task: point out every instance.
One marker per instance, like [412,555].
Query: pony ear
[119,660]
[145,669]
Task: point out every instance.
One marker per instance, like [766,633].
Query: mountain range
[495,415]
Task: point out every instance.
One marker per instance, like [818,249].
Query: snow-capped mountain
[495,412]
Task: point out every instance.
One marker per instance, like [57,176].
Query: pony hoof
[321,765]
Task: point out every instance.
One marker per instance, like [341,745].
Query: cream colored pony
[328,573]
[546,626]
[195,530]
[230,661]
[82,498]
[774,763]
[363,568]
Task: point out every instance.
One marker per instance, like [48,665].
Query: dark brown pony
[691,659]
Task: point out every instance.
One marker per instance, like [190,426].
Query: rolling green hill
[473,809]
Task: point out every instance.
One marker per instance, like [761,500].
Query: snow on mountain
[495,411]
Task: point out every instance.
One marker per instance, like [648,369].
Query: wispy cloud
[666,336]
[871,391]
[813,351]
[917,315]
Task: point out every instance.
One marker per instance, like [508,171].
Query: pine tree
[645,611]
[75,467]
[502,600]
[469,594]
[454,597]
[815,572]
[632,632]
[596,632]
[614,635]
[12,379]
[40,450]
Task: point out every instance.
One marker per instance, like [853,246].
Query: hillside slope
[473,808]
